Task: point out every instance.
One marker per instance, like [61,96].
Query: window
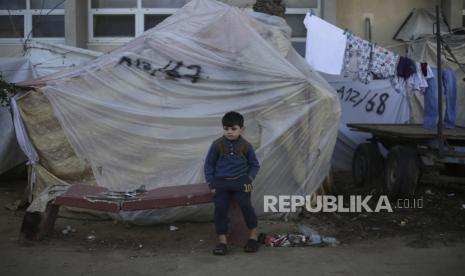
[22,19]
[151,20]
[119,21]
[295,15]
[116,22]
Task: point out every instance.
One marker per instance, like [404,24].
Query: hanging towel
[325,45]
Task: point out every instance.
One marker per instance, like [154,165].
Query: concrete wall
[452,11]
[386,17]
[76,33]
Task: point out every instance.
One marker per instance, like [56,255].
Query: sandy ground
[431,242]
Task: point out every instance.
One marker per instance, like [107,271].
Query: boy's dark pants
[240,190]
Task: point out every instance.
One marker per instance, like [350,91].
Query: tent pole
[439,78]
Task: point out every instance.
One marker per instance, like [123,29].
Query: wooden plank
[172,196]
[78,196]
[408,131]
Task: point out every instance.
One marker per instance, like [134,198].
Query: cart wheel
[402,171]
[367,164]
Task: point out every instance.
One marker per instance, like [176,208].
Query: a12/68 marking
[373,102]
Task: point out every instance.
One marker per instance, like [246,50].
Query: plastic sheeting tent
[147,113]
[425,51]
[419,24]
[40,59]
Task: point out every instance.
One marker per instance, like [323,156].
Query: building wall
[386,17]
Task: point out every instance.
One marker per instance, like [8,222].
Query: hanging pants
[238,189]
[449,86]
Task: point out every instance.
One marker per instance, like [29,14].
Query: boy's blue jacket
[230,164]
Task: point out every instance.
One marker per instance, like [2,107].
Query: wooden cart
[413,155]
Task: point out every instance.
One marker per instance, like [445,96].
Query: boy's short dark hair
[233,118]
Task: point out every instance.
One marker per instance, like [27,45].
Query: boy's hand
[213,191]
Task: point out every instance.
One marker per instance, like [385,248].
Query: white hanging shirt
[325,45]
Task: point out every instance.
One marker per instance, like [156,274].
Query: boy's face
[232,133]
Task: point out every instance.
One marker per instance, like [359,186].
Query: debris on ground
[306,237]
[68,230]
[403,222]
[173,228]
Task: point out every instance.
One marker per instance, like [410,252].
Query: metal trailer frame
[414,156]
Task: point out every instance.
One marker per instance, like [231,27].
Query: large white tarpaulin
[147,113]
[374,103]
[40,59]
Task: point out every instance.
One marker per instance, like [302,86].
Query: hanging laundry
[383,62]
[325,45]
[449,86]
[361,50]
[424,68]
[406,67]
[419,80]
[371,59]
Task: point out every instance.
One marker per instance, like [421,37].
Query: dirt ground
[426,241]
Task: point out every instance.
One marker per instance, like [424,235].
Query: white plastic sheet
[17,69]
[10,153]
[140,120]
[374,103]
[25,145]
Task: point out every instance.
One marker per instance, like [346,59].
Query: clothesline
[331,50]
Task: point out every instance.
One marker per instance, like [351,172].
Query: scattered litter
[173,228]
[330,241]
[68,230]
[313,237]
[141,245]
[201,241]
[91,238]
[375,228]
[306,237]
[403,222]
[307,231]
[463,206]
[314,240]
[451,195]
[428,192]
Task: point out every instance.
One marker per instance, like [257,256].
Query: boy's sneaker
[251,246]
[220,249]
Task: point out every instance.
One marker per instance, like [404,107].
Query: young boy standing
[230,168]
